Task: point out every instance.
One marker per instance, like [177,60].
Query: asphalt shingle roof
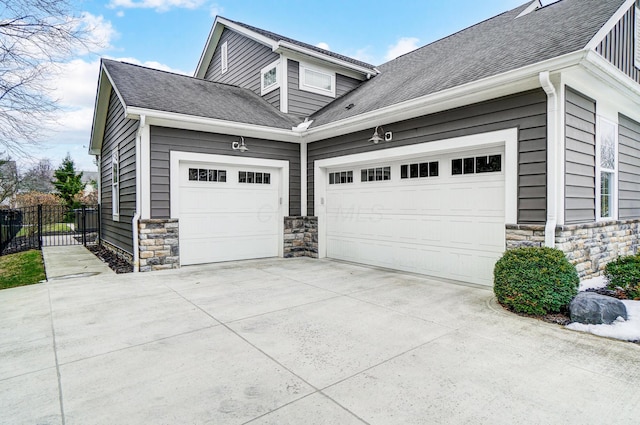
[277,37]
[165,91]
[497,45]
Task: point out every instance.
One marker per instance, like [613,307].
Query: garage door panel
[447,226]
[225,221]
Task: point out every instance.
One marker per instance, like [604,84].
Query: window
[252,177]
[115,185]
[341,177]
[207,175]
[375,174]
[224,60]
[637,33]
[421,170]
[317,81]
[606,159]
[476,165]
[270,78]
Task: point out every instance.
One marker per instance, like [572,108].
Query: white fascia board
[283,47]
[105,84]
[535,5]
[212,125]
[209,48]
[611,23]
[520,79]
[611,75]
[248,33]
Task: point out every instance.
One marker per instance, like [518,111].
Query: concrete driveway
[297,341]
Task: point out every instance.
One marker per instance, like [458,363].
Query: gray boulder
[595,309]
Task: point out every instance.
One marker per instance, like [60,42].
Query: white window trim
[636,32]
[224,58]
[268,89]
[115,186]
[303,86]
[599,170]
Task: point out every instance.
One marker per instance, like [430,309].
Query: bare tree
[35,35]
[9,180]
[38,178]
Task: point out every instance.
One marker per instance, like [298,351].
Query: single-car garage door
[228,212]
[440,215]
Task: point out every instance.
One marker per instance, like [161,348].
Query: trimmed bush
[535,281]
[624,273]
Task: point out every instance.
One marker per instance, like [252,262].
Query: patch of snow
[593,283]
[627,330]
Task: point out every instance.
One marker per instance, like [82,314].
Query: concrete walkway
[65,262]
[297,341]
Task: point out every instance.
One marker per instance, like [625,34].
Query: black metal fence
[33,227]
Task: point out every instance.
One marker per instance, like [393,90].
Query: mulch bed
[116,263]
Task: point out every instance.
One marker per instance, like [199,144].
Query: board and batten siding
[618,47]
[527,111]
[164,140]
[303,103]
[580,158]
[119,133]
[245,60]
[628,168]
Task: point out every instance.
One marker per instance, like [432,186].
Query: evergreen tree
[67,183]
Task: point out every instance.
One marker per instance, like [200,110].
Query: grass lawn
[46,228]
[23,268]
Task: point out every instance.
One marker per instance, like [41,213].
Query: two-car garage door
[437,215]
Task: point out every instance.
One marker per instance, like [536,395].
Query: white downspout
[553,141]
[303,178]
[136,217]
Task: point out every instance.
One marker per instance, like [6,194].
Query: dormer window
[270,78]
[317,80]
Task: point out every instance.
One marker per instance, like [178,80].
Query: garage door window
[341,177]
[207,175]
[375,174]
[478,164]
[252,177]
[421,170]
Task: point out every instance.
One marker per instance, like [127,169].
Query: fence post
[39,226]
[84,225]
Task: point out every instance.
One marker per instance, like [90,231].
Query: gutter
[136,217]
[552,159]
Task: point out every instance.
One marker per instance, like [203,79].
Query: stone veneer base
[159,244]
[300,237]
[588,246]
[118,251]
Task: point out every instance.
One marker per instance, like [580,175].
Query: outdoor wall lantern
[239,146]
[379,135]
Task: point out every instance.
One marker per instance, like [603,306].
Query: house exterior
[523,130]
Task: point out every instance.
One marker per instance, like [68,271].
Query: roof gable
[279,44]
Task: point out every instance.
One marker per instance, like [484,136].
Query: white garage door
[228,212]
[441,215]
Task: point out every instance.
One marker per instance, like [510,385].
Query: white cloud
[154,65]
[404,45]
[215,10]
[119,13]
[157,5]
[323,45]
[363,55]
[100,32]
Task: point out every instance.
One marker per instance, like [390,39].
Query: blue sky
[170,35]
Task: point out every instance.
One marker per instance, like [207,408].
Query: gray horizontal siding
[304,103]
[629,168]
[165,140]
[618,46]
[120,133]
[527,111]
[245,60]
[580,158]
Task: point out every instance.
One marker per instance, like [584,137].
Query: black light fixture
[239,146]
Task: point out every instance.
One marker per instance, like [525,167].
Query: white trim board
[507,138]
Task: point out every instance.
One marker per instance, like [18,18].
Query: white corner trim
[507,138]
[611,23]
[145,171]
[284,87]
[179,156]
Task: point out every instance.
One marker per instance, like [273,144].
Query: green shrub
[535,281]
[624,273]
